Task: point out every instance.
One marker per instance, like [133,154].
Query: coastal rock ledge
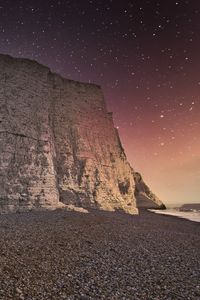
[58,144]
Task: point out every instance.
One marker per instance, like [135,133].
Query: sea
[193,215]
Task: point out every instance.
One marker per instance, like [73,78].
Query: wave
[189,215]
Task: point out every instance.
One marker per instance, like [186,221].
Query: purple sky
[145,55]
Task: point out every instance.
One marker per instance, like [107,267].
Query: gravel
[99,255]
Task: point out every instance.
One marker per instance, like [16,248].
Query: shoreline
[190,216]
[101,255]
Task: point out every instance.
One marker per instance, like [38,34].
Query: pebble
[99,255]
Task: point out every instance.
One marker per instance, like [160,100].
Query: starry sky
[146,56]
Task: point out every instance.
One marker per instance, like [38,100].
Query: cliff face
[144,196]
[58,144]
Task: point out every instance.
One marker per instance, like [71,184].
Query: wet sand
[100,255]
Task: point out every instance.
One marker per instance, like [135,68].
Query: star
[143,56]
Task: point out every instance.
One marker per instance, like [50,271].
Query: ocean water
[189,215]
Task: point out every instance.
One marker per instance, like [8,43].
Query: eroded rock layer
[58,144]
[144,197]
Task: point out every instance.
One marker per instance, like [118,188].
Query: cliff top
[10,58]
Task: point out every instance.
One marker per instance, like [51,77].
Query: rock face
[58,144]
[144,196]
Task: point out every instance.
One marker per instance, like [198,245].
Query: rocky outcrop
[190,207]
[144,196]
[58,144]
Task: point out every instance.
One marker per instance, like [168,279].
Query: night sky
[146,57]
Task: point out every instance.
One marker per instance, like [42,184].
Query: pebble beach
[98,255]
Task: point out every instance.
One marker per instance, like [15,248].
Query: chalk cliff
[58,144]
[144,196]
